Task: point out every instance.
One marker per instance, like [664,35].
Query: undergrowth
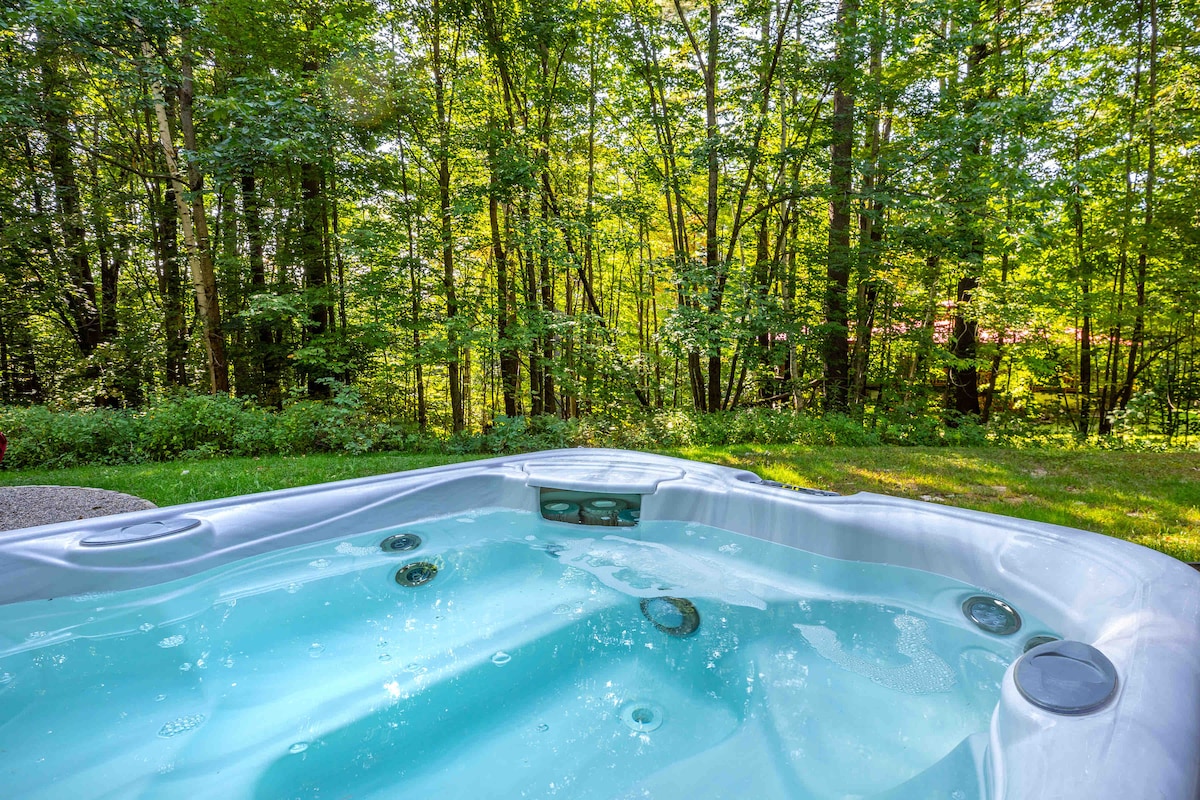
[203,426]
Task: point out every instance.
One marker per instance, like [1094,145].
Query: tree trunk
[312,256]
[268,365]
[171,289]
[1083,264]
[194,224]
[712,252]
[81,292]
[964,373]
[870,225]
[510,363]
[446,226]
[836,345]
[1138,334]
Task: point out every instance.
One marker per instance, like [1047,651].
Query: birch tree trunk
[193,224]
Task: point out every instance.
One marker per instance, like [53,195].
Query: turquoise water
[524,669]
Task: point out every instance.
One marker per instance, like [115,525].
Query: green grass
[1152,499]
[1149,498]
[172,482]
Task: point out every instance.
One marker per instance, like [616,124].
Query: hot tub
[591,624]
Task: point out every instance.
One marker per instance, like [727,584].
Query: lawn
[1149,498]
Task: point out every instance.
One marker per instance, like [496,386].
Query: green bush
[38,436]
[192,426]
[213,426]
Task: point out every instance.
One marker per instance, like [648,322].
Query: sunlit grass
[1152,499]
[173,482]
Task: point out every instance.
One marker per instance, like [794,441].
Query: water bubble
[5,677]
[925,672]
[172,641]
[180,725]
[320,563]
[158,698]
[384,657]
[347,549]
[315,650]
[543,727]
[730,548]
[146,626]
[292,588]
[298,747]
[562,608]
[185,666]
[501,658]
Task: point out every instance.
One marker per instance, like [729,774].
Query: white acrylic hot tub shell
[1139,607]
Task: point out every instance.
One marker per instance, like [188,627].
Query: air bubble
[180,725]
[925,673]
[298,747]
[292,588]
[543,728]
[315,650]
[320,563]
[145,626]
[5,677]
[172,641]
[730,548]
[501,658]
[185,666]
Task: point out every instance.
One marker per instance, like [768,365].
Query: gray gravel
[26,506]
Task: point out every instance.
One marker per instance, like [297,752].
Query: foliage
[478,216]
[204,426]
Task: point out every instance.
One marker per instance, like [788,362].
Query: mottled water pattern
[925,672]
[310,673]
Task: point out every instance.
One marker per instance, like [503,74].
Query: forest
[453,211]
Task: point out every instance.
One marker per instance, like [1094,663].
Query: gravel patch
[26,506]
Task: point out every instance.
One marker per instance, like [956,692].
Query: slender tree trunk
[446,222]
[1110,393]
[964,336]
[1138,334]
[510,364]
[81,293]
[841,175]
[206,277]
[312,257]
[267,367]
[870,223]
[1085,280]
[194,224]
[171,290]
[712,252]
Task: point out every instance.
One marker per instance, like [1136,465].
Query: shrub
[213,426]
